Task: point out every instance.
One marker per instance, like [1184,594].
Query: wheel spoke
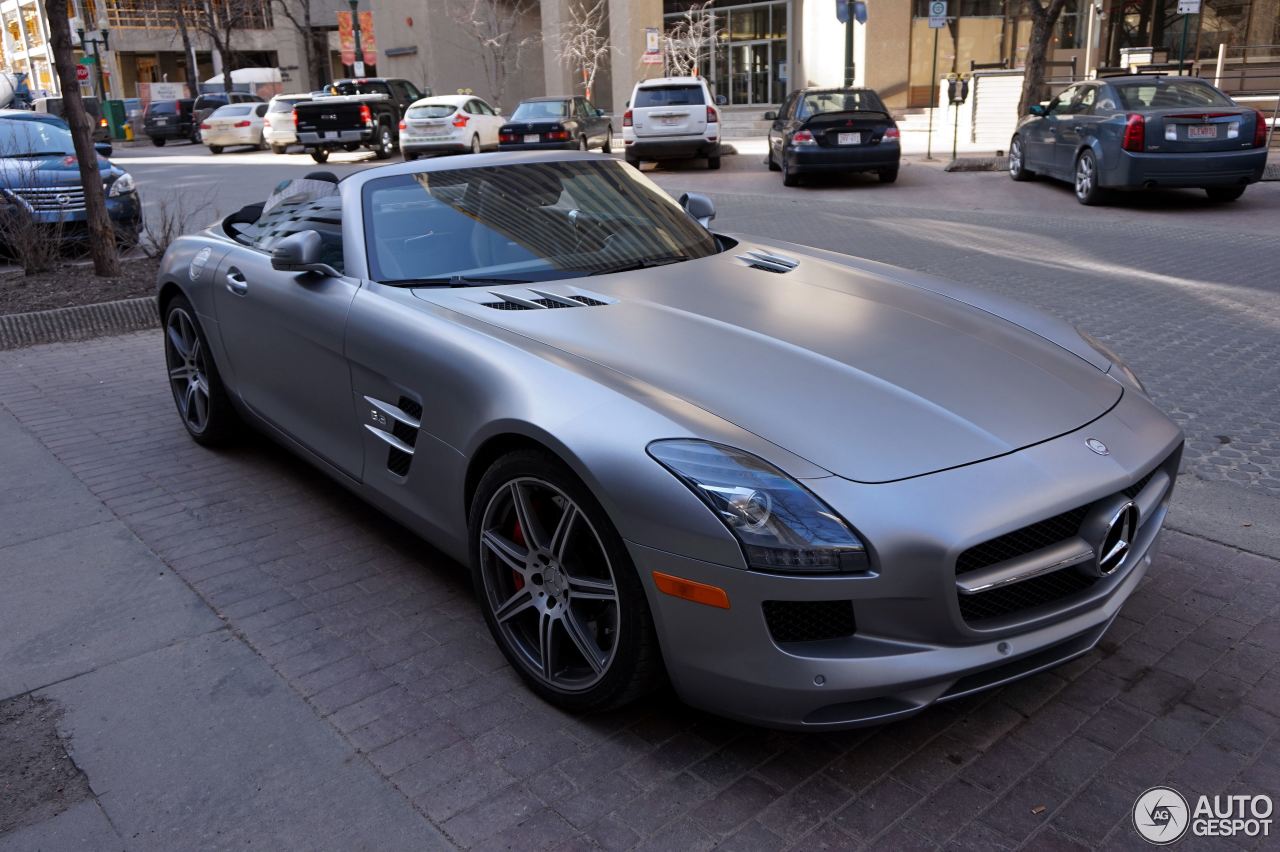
[196,352]
[516,604]
[188,403]
[592,589]
[505,549]
[179,344]
[547,644]
[586,646]
[560,538]
[180,374]
[202,406]
[528,521]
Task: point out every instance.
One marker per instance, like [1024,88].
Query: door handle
[236,282]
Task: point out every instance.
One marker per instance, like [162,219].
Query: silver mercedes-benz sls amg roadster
[809,490]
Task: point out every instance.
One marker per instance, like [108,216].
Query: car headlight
[1117,363]
[780,525]
[121,185]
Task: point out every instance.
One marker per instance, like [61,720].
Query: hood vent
[769,262]
[542,300]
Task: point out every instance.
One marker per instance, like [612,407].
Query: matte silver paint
[931,415]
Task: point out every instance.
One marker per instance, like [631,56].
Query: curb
[80,322]
[1271,172]
[977,164]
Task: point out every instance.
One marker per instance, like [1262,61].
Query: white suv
[277,127]
[671,118]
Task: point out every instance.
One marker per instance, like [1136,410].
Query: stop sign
[82,73]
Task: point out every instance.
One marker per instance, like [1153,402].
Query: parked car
[671,118]
[550,123]
[833,131]
[104,149]
[660,448]
[277,125]
[449,124]
[40,177]
[206,104]
[53,106]
[167,120]
[234,125]
[364,112]
[1142,131]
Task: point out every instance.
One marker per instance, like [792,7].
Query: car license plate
[162,121]
[531,138]
[849,139]
[1202,131]
[670,120]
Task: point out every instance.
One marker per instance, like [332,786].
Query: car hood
[53,170]
[864,376]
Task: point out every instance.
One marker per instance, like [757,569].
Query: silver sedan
[808,490]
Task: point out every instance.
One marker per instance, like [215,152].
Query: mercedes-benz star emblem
[1118,541]
[1097,446]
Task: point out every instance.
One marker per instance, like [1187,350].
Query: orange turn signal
[690,590]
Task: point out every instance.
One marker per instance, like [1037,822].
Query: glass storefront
[747,63]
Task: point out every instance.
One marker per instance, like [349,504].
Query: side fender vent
[768,262]
[396,426]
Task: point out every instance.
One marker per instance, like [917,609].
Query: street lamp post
[357,65]
[100,39]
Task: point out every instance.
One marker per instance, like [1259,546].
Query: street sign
[1188,7]
[937,14]
[82,73]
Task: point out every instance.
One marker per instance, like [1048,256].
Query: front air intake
[768,261]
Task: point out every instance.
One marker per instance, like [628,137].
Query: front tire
[1087,190]
[198,392]
[607,147]
[215,149]
[1224,193]
[320,155]
[1018,161]
[558,588]
[772,163]
[409,157]
[159,143]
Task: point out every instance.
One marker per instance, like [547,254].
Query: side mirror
[300,252]
[104,149]
[1038,109]
[771,116]
[599,113]
[699,206]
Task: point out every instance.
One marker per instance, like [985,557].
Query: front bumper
[853,158]
[677,148]
[912,645]
[124,210]
[1191,169]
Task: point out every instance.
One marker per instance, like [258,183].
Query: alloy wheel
[1015,157]
[549,584]
[1084,176]
[188,370]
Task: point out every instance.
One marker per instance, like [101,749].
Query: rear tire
[1087,190]
[1018,161]
[386,145]
[475,145]
[888,175]
[596,564]
[409,158]
[713,163]
[159,143]
[215,149]
[1224,193]
[198,392]
[631,161]
[583,145]
[279,149]
[320,155]
[607,147]
[789,177]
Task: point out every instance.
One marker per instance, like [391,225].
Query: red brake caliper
[517,535]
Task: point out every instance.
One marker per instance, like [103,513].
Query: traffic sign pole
[933,94]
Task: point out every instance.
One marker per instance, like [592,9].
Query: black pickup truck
[358,113]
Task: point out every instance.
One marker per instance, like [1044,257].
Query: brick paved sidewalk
[381,636]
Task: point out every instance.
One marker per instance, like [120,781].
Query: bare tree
[498,36]
[1044,17]
[102,235]
[689,39]
[220,21]
[299,14]
[584,41]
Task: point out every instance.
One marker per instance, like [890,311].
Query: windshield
[662,96]
[430,111]
[24,138]
[1159,93]
[527,222]
[534,110]
[817,103]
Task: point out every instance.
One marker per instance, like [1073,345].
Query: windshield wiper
[38,154]
[453,281]
[643,263]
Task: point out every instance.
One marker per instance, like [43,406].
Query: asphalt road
[1186,290]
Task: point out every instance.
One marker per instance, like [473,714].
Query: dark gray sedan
[1140,132]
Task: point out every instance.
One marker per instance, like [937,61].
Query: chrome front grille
[52,199]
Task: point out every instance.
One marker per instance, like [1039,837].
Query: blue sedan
[1142,131]
[40,177]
